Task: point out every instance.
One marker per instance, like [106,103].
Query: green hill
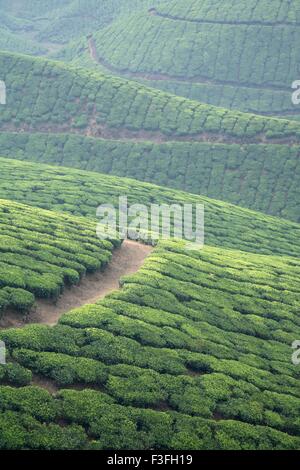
[41,251]
[100,105]
[239,55]
[48,97]
[174,363]
[80,193]
[252,176]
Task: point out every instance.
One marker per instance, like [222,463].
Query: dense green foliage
[42,251]
[254,176]
[193,352]
[241,55]
[80,193]
[45,95]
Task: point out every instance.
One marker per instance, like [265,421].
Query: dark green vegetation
[80,193]
[41,251]
[253,176]
[175,362]
[45,95]
[240,55]
[194,351]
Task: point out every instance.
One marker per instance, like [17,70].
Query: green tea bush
[30,240]
[213,170]
[80,192]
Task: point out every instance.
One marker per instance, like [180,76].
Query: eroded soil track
[126,260]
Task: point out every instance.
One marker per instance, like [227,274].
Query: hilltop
[254,176]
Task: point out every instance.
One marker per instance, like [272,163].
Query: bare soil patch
[125,260]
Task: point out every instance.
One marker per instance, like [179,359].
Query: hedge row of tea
[174,363]
[81,192]
[246,99]
[243,54]
[250,11]
[253,176]
[41,252]
[214,45]
[46,95]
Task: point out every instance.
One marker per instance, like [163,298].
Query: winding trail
[125,260]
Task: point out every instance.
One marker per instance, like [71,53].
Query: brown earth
[125,260]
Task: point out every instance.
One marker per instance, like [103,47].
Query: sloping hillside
[166,372]
[252,176]
[240,55]
[80,193]
[100,105]
[45,96]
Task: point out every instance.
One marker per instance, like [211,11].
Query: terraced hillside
[41,252]
[253,176]
[48,97]
[100,105]
[81,192]
[161,370]
[239,55]
[192,348]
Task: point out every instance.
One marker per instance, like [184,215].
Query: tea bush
[253,176]
[30,240]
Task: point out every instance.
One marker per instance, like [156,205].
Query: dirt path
[126,260]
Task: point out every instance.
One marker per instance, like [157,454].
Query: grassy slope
[180,364]
[222,53]
[80,193]
[254,176]
[42,251]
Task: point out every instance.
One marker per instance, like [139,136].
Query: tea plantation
[239,55]
[192,353]
[253,176]
[166,102]
[49,96]
[81,192]
[41,252]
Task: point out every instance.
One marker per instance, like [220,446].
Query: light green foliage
[80,193]
[41,252]
[100,105]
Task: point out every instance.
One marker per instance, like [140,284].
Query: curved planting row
[41,252]
[193,352]
[254,176]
